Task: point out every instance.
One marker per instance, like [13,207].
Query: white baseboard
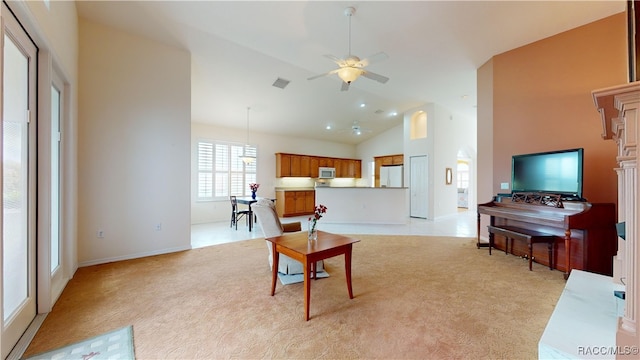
[133,256]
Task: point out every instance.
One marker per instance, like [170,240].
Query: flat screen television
[555,172]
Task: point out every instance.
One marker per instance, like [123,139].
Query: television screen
[555,172]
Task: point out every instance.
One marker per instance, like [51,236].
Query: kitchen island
[364,205]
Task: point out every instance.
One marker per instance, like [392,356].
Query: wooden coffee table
[296,246]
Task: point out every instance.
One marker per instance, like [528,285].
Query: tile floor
[462,224]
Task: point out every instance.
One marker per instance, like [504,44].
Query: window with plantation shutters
[221,171]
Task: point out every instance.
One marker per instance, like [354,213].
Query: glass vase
[313,230]
[253,194]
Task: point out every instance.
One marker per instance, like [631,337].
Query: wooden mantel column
[619,109]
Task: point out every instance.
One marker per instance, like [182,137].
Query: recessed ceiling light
[363,105]
[463,97]
[328,127]
[393,113]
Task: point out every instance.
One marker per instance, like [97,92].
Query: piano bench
[530,236]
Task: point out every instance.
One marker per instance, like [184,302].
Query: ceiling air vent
[281,83]
[378,112]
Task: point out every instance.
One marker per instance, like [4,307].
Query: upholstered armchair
[265,211]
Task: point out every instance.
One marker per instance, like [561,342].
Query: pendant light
[246,158]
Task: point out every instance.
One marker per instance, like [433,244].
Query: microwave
[326,173]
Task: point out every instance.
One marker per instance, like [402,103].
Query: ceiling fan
[353,67]
[356,129]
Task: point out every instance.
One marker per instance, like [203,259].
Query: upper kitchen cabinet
[283,165]
[314,165]
[293,165]
[300,166]
[350,168]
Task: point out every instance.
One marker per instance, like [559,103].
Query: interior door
[419,186]
[18,181]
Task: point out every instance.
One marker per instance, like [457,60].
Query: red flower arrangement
[319,210]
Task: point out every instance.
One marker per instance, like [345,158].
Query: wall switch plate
[504,186]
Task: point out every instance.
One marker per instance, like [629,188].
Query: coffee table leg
[274,271]
[307,288]
[347,269]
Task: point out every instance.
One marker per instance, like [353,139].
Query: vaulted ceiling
[240,48]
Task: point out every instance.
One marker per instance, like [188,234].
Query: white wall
[421,147]
[134,142]
[446,134]
[268,145]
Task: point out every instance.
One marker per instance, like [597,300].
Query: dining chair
[237,214]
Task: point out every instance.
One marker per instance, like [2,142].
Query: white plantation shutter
[221,172]
[205,170]
[237,171]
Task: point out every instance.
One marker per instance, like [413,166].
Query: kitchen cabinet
[314,165]
[337,164]
[305,169]
[295,202]
[283,165]
[294,165]
[351,168]
[300,166]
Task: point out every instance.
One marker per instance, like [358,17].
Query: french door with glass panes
[18,181]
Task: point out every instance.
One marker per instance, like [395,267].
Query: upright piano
[586,232]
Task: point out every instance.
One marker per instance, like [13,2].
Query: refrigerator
[391,176]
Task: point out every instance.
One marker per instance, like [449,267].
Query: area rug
[298,278]
[415,297]
[117,344]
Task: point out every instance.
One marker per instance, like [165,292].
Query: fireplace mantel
[609,102]
[619,108]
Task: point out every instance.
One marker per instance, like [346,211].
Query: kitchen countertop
[294,189]
[360,187]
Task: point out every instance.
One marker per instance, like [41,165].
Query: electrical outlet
[504,186]
[100,234]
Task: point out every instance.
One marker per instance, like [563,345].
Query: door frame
[15,325]
[421,186]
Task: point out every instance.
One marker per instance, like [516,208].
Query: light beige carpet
[416,297]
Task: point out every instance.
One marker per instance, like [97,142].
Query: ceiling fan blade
[345,86]
[373,59]
[325,74]
[337,60]
[373,76]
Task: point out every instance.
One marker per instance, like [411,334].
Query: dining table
[249,200]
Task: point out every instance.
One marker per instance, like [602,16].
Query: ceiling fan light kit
[352,67]
[349,74]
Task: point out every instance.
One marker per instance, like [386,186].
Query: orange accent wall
[542,101]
